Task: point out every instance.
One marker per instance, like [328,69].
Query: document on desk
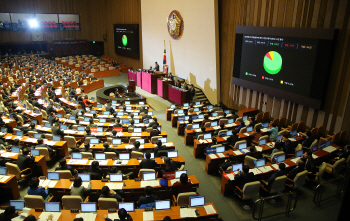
[295,160]
[101,162]
[148,216]
[275,166]
[9,154]
[119,134]
[81,161]
[314,156]
[292,139]
[52,183]
[174,181]
[197,130]
[87,216]
[71,162]
[255,171]
[264,130]
[4,178]
[142,146]
[258,148]
[8,137]
[168,144]
[113,216]
[45,215]
[187,212]
[149,183]
[209,140]
[69,131]
[268,168]
[51,143]
[19,138]
[129,146]
[246,134]
[136,134]
[115,186]
[231,176]
[45,128]
[330,149]
[125,162]
[31,140]
[213,156]
[80,132]
[202,141]
[237,152]
[216,127]
[209,209]
[221,155]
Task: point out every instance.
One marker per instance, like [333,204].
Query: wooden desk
[93,86]
[249,112]
[106,73]
[39,160]
[178,96]
[122,147]
[12,186]
[162,90]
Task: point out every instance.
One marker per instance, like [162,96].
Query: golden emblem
[175,24]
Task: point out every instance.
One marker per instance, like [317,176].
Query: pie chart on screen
[272,62]
[124,40]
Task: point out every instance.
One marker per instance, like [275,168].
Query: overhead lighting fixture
[33,23]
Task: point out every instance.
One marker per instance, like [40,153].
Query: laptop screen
[63,127]
[52,207]
[230,121]
[210,107]
[197,103]
[94,140]
[141,102]
[117,141]
[215,114]
[236,167]
[293,133]
[47,125]
[128,108]
[150,113]
[264,125]
[3,170]
[314,148]
[100,156]
[116,177]
[99,105]
[15,149]
[127,102]
[114,102]
[278,138]
[172,154]
[207,136]
[102,120]
[129,207]
[142,141]
[19,133]
[71,117]
[124,156]
[195,126]
[88,207]
[172,106]
[85,177]
[137,130]
[3,130]
[120,113]
[149,176]
[298,153]
[105,113]
[196,109]
[136,121]
[262,142]
[163,139]
[280,158]
[220,149]
[18,204]
[81,128]
[34,122]
[37,136]
[201,116]
[196,201]
[213,123]
[259,163]
[99,129]
[86,119]
[180,111]
[93,111]
[186,104]
[162,204]
[242,146]
[77,155]
[59,115]
[53,175]
[35,152]
[245,118]
[178,173]
[227,111]
[56,138]
[152,155]
[249,129]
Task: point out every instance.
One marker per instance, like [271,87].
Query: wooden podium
[131,86]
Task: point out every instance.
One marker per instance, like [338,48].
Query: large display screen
[289,63]
[126,40]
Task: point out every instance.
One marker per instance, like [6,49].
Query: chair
[87,155]
[277,186]
[48,136]
[259,117]
[320,131]
[35,202]
[44,114]
[45,152]
[107,203]
[259,125]
[299,147]
[71,202]
[71,141]
[294,127]
[272,159]
[64,174]
[200,137]
[223,121]
[110,155]
[336,167]
[189,127]
[87,139]
[342,137]
[130,130]
[207,124]
[243,130]
[313,143]
[301,126]
[320,173]
[145,170]
[133,139]
[298,181]
[31,133]
[249,161]
[136,154]
[149,129]
[249,191]
[182,167]
[266,116]
[238,143]
[183,198]
[14,170]
[283,122]
[276,121]
[222,133]
[154,139]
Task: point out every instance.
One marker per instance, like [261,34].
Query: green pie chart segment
[272,62]
[124,40]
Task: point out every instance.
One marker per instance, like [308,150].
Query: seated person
[155,122]
[252,122]
[299,168]
[24,161]
[114,134]
[154,131]
[158,148]
[123,215]
[32,127]
[64,166]
[148,200]
[40,141]
[87,149]
[88,133]
[171,165]
[274,132]
[8,214]
[278,148]
[136,147]
[206,119]
[228,162]
[106,148]
[288,146]
[148,163]
[117,123]
[77,189]
[308,141]
[280,172]
[184,185]
[254,153]
[256,135]
[34,188]
[95,171]
[107,193]
[200,133]
[245,177]
[55,129]
[309,164]
[233,138]
[21,128]
[132,124]
[91,123]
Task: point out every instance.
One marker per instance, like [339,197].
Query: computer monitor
[186,104]
[34,152]
[37,136]
[162,204]
[56,138]
[215,114]
[116,177]
[88,207]
[259,163]
[94,140]
[100,156]
[242,146]
[127,102]
[149,176]
[52,207]
[142,141]
[163,139]
[85,177]
[15,149]
[227,111]
[314,148]
[99,129]
[63,127]
[141,103]
[128,206]
[121,113]
[116,141]
[210,107]
[102,120]
[11,117]
[229,133]
[180,111]
[58,106]
[172,106]
[128,108]
[220,149]
[81,128]
[280,158]
[262,142]
[18,204]
[150,113]
[172,154]
[3,170]
[196,109]
[53,175]
[47,125]
[207,136]
[197,103]
[213,123]
[137,130]
[278,138]
[124,156]
[195,126]
[92,99]
[34,122]
[99,105]
[230,121]
[178,173]
[77,156]
[114,102]
[196,201]
[293,133]
[19,133]
[93,111]
[4,130]
[245,117]
[249,129]
[201,116]
[237,166]
[136,121]
[125,121]
[298,153]
[105,113]
[71,117]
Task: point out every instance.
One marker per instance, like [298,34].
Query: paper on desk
[142,146]
[221,155]
[8,137]
[4,178]
[31,140]
[168,144]
[87,216]
[292,139]
[71,161]
[50,143]
[264,130]
[125,162]
[314,156]
[231,176]
[216,127]
[209,209]
[81,161]
[80,132]
[262,169]
[52,183]
[149,183]
[258,148]
[113,216]
[115,186]
[247,134]
[69,131]
[45,215]
[330,149]
[187,212]
[268,168]
[275,166]
[174,181]
[295,160]
[136,134]
[45,128]
[148,216]
[255,171]
[213,156]
[197,130]
[202,141]
[237,152]
[119,134]
[129,146]
[9,154]
[19,138]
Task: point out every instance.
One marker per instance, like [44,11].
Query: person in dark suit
[206,119]
[24,161]
[192,92]
[299,168]
[156,66]
[50,109]
[144,110]
[63,166]
[253,122]
[136,146]
[108,149]
[280,172]
[184,185]
[114,134]
[75,112]
[21,128]
[117,124]
[109,108]
[154,131]
[308,141]
[55,130]
[159,147]
[228,162]
[233,138]
[41,144]
[185,86]
[171,76]
[254,153]
[132,124]
[149,198]
[8,214]
[288,147]
[107,193]
[87,149]
[200,133]
[170,165]
[155,122]
[96,172]
[148,163]
[309,164]
[245,177]
[32,127]
[52,118]
[88,133]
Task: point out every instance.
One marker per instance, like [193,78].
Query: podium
[162,88]
[131,86]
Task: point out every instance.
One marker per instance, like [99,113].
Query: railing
[320,187]
[290,206]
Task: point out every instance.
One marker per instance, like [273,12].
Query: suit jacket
[97,173]
[233,139]
[156,67]
[256,155]
[173,166]
[308,141]
[57,131]
[74,113]
[244,178]
[178,85]
[147,199]
[186,87]
[310,166]
[156,149]
[148,164]
[110,109]
[274,176]
[294,172]
[117,125]
[154,133]
[192,92]
[24,161]
[288,147]
[52,120]
[49,109]
[153,123]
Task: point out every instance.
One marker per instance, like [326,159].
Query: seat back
[251,190]
[299,179]
[301,126]
[110,155]
[337,165]
[130,130]
[65,174]
[133,139]
[347,162]
[239,142]
[44,114]
[86,154]
[207,124]
[34,201]
[266,137]
[223,121]
[259,117]
[294,127]
[14,170]
[31,133]
[275,154]
[183,198]
[320,131]
[314,143]
[154,139]
[136,154]
[200,137]
[45,152]
[71,202]
[266,116]
[222,133]
[320,173]
[145,170]
[283,122]
[299,147]
[48,136]
[243,130]
[71,142]
[189,127]
[259,125]
[107,203]
[249,161]
[278,185]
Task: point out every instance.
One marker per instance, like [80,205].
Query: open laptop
[180,111]
[197,103]
[99,105]
[213,123]
[127,102]
[116,142]
[34,152]
[201,116]
[220,149]
[280,158]
[259,162]
[3,170]
[196,109]
[53,175]
[172,154]
[63,127]
[207,136]
[128,206]
[102,120]
[298,153]
[93,111]
[18,204]
[116,177]
[237,166]
[325,144]
[37,136]
[245,117]
[152,155]
[34,122]
[81,128]
[314,148]
[196,201]
[52,207]
[142,141]
[146,176]
[77,156]
[128,108]
[15,149]
[94,141]
[99,129]
[124,156]
[262,142]
[19,133]
[86,178]
[88,207]
[56,138]
[163,139]
[249,129]
[59,115]
[71,117]
[178,173]
[162,204]
[4,130]
[172,106]
[229,133]
[100,156]
[230,121]
[293,133]
[105,113]
[215,114]
[86,119]
[137,130]
[243,147]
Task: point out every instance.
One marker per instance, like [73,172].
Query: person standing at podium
[185,86]
[156,66]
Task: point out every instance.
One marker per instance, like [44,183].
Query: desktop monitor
[93,99]
[19,133]
[245,117]
[207,136]
[63,127]
[242,146]
[100,156]
[314,148]
[53,175]
[142,141]
[249,129]
[197,103]
[150,113]
[52,207]
[162,204]
[136,121]
[116,141]
[180,111]
[18,204]
[120,113]
[124,156]
[15,149]
[127,102]
[259,163]
[201,116]
[229,133]
[280,158]
[94,140]
[215,114]
[237,166]
[85,177]
[262,142]
[195,126]
[81,128]
[172,106]
[77,156]
[116,177]
[105,113]
[137,130]
[152,155]
[114,102]
[213,123]
[88,207]
[34,152]
[196,109]
[128,206]
[71,117]
[227,111]
[220,149]
[149,176]
[99,129]
[93,111]
[128,108]
[196,201]
[210,107]
[47,125]
[163,139]
[3,170]
[56,138]
[4,130]
[230,121]
[178,173]
[172,154]
[37,136]
[102,120]
[298,153]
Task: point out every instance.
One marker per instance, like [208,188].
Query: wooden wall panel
[291,13]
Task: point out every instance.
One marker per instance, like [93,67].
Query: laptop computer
[215,114]
[196,201]
[128,108]
[34,152]
[127,102]
[115,177]
[37,136]
[53,175]
[128,206]
[207,136]
[56,138]
[34,122]
[124,156]
[172,154]
[142,141]
[18,204]
[178,173]
[229,133]
[94,140]
[298,153]
[266,124]
[63,127]
[47,125]
[213,123]
[230,121]
[280,158]
[4,130]
[293,133]
[106,113]
[237,166]
[102,120]
[245,118]
[19,133]
[201,116]
[99,105]
[100,156]
[262,142]
[163,139]
[180,111]
[71,117]
[314,148]
[3,170]
[162,204]
[196,109]
[114,102]
[259,162]
[149,176]
[77,156]
[197,103]
[116,142]
[85,177]
[172,106]
[137,130]
[81,128]
[99,129]
[88,207]
[249,129]
[220,149]
[52,207]
[15,149]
